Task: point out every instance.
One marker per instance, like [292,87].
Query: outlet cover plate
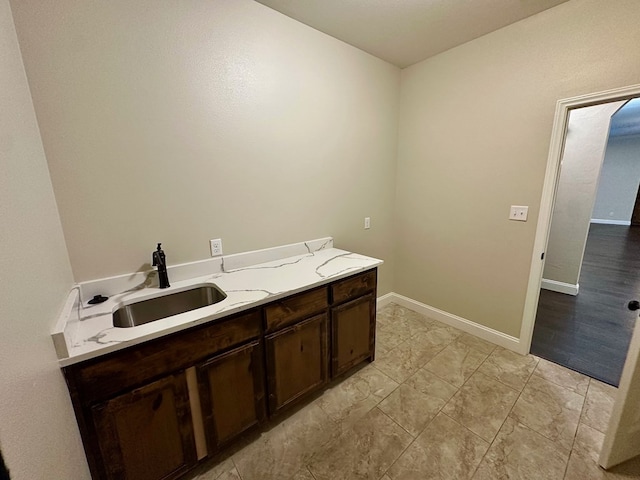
[519,213]
[216,247]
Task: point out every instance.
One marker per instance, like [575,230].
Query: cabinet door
[147,434]
[353,328]
[232,393]
[297,361]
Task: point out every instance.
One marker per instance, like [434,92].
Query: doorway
[622,438]
[582,322]
[590,331]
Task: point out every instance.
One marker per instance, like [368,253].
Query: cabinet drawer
[104,377]
[291,309]
[355,286]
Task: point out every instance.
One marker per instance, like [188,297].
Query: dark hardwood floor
[590,333]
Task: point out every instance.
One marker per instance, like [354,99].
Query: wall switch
[519,213]
[367,223]
[216,247]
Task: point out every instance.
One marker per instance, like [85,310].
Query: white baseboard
[486,333]
[606,221]
[560,287]
[384,300]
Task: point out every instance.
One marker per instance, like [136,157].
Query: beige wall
[475,124]
[178,122]
[38,430]
[584,148]
[182,121]
[618,186]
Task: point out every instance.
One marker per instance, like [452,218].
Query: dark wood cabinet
[153,411]
[104,377]
[293,309]
[147,434]
[232,393]
[352,333]
[297,361]
[353,321]
[134,406]
[353,287]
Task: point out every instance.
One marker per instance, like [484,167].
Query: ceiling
[404,32]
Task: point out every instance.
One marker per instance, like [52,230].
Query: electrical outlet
[518,213]
[367,223]
[216,247]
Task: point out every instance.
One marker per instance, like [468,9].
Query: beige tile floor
[437,403]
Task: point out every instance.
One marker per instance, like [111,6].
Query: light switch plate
[519,213]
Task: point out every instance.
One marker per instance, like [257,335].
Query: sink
[153,309]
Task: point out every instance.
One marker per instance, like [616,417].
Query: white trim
[385,300]
[548,196]
[560,287]
[486,333]
[606,221]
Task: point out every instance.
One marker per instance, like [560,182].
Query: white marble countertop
[87,332]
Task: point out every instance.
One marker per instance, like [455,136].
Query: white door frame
[548,198]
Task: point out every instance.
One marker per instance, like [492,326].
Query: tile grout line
[566,368]
[543,435]
[464,426]
[505,419]
[475,434]
[234,466]
[458,389]
[452,419]
[472,432]
[579,417]
[499,381]
[403,383]
[441,379]
[377,405]
[570,450]
[310,472]
[385,414]
[395,388]
[411,443]
[585,402]
[472,373]
[526,383]
[503,383]
[575,436]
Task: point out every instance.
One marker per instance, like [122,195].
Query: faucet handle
[157,255]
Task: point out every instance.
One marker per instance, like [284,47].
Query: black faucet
[160,262]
